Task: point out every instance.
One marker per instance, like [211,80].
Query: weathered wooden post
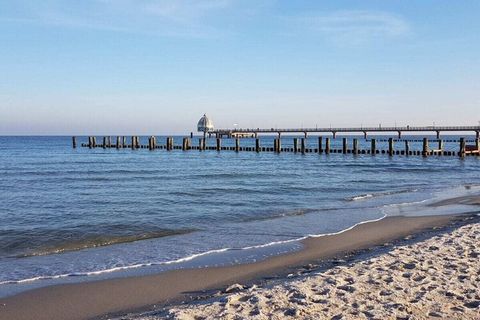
[302,145]
[320,146]
[200,144]
[407,147]
[138,142]
[104,144]
[257,145]
[477,143]
[425,147]
[355,146]
[237,144]
[184,144]
[461,152]
[390,146]
[344,147]
[150,143]
[295,145]
[109,142]
[133,143]
[124,142]
[117,144]
[219,144]
[440,144]
[90,142]
[279,144]
[94,141]
[373,146]
[327,145]
[74,142]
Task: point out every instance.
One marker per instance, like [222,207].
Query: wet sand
[117,296]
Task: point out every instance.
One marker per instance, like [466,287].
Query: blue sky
[155,66]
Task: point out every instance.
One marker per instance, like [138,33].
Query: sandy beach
[123,295]
[435,278]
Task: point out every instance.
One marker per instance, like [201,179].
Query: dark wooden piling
[320,144]
[477,143]
[355,146]
[440,144]
[185,144]
[295,145]
[133,143]
[327,145]
[237,144]
[461,151]
[90,143]
[94,141]
[373,147]
[390,147]
[407,147]
[74,142]
[109,141]
[344,145]
[257,145]
[425,147]
[302,145]
[104,144]
[124,142]
[219,144]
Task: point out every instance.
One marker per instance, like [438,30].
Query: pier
[334,131]
[322,145]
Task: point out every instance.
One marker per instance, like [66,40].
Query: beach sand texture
[435,278]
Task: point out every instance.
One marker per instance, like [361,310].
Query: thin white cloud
[190,18]
[354,27]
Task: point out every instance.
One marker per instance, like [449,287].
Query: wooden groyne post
[133,143]
[74,142]
[344,146]
[295,145]
[320,146]
[407,147]
[390,147]
[425,147]
[461,152]
[373,147]
[104,144]
[257,145]
[237,144]
[302,145]
[355,146]
[219,144]
[327,145]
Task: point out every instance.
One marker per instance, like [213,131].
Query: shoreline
[123,295]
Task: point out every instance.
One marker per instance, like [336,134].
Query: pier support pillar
[364,134]
[295,145]
[344,146]
[305,135]
[438,134]
[133,143]
[219,144]
[477,143]
[399,134]
[185,144]
[320,144]
[327,145]
[477,135]
[124,142]
[407,147]
[390,147]
[109,142]
[302,145]
[373,147]
[90,142]
[74,142]
[425,147]
[461,152]
[117,144]
[334,134]
[237,144]
[257,145]
[440,144]
[355,146]
[104,143]
[94,141]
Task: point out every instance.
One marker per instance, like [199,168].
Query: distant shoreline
[115,296]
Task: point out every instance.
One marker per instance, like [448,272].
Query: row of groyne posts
[299,146]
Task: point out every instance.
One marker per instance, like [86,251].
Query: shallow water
[79,212]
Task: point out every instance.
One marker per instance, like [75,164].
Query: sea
[71,215]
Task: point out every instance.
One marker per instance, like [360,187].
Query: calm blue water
[67,211]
